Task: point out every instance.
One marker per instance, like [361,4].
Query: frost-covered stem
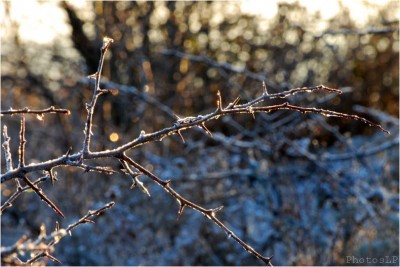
[183,202]
[96,93]
[22,142]
[7,152]
[51,109]
[18,192]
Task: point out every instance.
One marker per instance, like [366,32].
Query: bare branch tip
[265,91]
[219,100]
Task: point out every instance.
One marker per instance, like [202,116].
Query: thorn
[133,186]
[92,76]
[52,258]
[265,89]
[203,126]
[53,177]
[267,260]
[236,101]
[68,151]
[88,221]
[167,182]
[109,205]
[181,136]
[182,206]
[217,209]
[40,117]
[233,104]
[219,100]
[137,182]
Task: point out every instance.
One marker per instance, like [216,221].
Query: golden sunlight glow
[44,21]
[114,137]
[359,10]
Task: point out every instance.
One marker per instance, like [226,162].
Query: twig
[134,91]
[96,93]
[26,110]
[19,191]
[7,152]
[22,142]
[45,242]
[89,214]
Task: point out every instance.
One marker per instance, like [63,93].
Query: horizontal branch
[383,30]
[41,246]
[51,109]
[187,123]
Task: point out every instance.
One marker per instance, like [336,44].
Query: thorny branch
[119,153]
[96,93]
[18,192]
[44,244]
[183,202]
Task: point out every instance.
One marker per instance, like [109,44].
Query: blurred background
[307,189]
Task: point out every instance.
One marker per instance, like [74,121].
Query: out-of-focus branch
[225,66]
[43,246]
[134,91]
[384,30]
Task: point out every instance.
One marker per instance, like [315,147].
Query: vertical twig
[96,93]
[7,152]
[22,143]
